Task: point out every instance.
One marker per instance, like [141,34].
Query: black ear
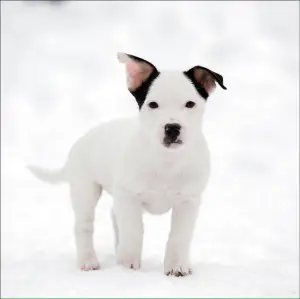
[140,75]
[204,79]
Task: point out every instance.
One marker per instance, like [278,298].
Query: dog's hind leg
[115,228]
[85,196]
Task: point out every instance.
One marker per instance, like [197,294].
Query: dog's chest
[159,192]
[160,200]
[161,183]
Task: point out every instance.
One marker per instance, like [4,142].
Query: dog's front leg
[129,225]
[184,216]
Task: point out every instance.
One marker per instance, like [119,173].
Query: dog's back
[94,154]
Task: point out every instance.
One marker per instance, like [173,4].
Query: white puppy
[155,162]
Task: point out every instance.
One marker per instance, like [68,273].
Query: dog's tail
[53,176]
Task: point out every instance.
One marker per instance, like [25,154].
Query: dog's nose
[172,130]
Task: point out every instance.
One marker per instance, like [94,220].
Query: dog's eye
[153,105]
[190,104]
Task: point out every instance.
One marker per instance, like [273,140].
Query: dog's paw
[129,261]
[178,270]
[130,264]
[89,264]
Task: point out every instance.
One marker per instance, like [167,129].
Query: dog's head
[171,103]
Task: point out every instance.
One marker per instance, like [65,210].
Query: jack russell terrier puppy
[154,162]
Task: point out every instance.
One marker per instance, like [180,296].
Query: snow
[60,76]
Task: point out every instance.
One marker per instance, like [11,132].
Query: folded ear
[204,78]
[138,70]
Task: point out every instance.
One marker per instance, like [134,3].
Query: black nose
[172,130]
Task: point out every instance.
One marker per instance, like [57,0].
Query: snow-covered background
[60,76]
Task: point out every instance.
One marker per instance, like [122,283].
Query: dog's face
[171,103]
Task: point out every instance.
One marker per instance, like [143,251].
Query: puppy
[154,162]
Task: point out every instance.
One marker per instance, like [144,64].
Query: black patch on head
[141,92]
[203,93]
[201,90]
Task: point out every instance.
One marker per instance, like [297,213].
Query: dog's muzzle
[172,132]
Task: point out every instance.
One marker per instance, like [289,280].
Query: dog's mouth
[170,142]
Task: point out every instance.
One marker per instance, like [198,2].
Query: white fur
[127,158]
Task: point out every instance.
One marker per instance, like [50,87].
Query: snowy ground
[60,76]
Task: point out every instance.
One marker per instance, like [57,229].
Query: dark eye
[190,104]
[153,105]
